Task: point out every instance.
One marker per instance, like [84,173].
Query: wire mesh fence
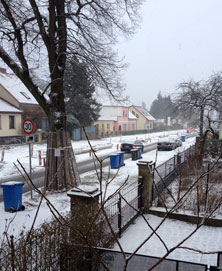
[166,173]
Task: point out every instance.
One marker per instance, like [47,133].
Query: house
[114,119]
[18,104]
[10,119]
[144,119]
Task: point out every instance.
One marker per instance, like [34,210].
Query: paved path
[172,232]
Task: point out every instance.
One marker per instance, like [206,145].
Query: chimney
[3,70]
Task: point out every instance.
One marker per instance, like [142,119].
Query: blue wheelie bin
[12,195]
[114,161]
[121,163]
[183,138]
[140,152]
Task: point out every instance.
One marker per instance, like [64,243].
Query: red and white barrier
[3,155]
[31,149]
[40,158]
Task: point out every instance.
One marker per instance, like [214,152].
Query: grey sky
[178,40]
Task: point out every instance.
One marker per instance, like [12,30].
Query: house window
[45,124]
[124,127]
[25,95]
[137,116]
[103,128]
[11,122]
[108,126]
[133,126]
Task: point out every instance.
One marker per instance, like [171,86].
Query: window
[124,127]
[137,116]
[11,122]
[124,113]
[45,124]
[133,126]
[103,127]
[25,95]
[108,126]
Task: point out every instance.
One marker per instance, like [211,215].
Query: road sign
[28,126]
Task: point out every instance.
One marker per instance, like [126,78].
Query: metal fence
[123,208]
[114,261]
[166,173]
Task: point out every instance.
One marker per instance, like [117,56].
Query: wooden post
[145,169]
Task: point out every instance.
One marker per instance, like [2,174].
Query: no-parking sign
[28,126]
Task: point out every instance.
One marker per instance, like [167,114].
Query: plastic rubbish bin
[12,195]
[121,162]
[183,138]
[114,160]
[140,152]
[134,153]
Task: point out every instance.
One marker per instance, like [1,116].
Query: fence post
[178,159]
[145,170]
[140,193]
[119,216]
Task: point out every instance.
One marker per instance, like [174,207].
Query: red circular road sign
[28,126]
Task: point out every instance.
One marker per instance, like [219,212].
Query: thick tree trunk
[61,169]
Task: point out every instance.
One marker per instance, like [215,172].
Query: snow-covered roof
[144,112]
[108,118]
[16,88]
[6,107]
[131,116]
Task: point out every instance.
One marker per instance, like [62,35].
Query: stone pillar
[145,169]
[84,228]
[84,206]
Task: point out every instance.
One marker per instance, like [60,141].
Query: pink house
[126,121]
[114,119]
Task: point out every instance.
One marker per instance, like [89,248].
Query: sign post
[28,128]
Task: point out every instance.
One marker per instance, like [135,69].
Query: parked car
[167,145]
[179,142]
[128,146]
[139,143]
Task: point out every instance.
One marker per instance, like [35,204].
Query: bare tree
[37,39]
[199,97]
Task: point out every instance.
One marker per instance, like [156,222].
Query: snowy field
[171,231]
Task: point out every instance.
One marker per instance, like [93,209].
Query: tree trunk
[61,169]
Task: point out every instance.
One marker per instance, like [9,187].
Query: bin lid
[10,183]
[116,154]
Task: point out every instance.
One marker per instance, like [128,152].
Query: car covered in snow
[167,145]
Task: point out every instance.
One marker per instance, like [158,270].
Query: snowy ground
[171,231]
[12,153]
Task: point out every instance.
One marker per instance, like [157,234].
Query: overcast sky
[178,40]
